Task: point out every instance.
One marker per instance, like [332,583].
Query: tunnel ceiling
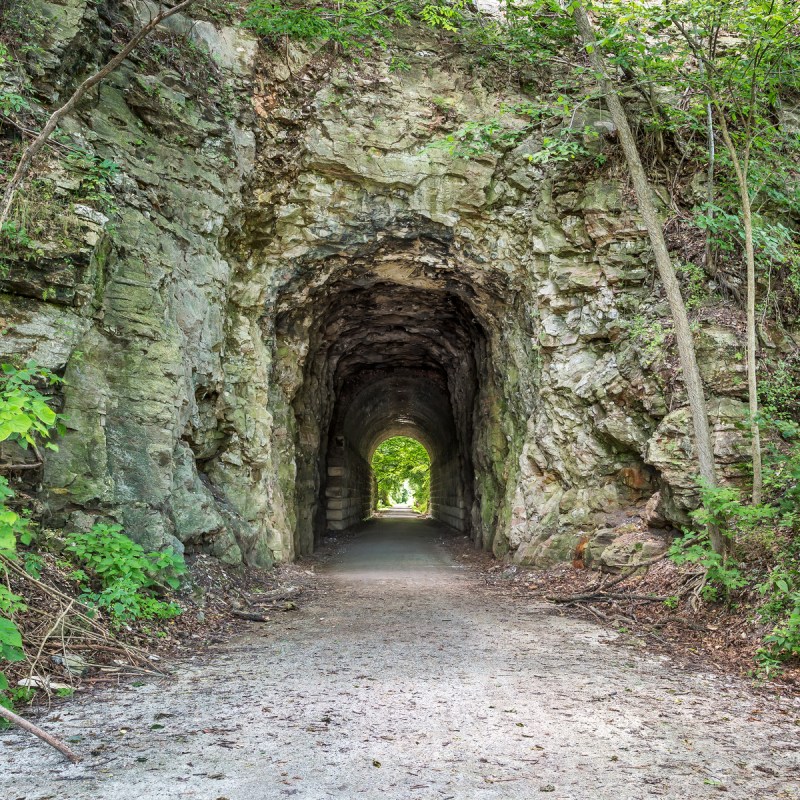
[388,326]
[398,402]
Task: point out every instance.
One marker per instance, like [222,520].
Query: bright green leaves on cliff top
[526,32]
[402,469]
[353,24]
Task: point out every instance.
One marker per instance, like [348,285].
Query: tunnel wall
[348,488]
[447,494]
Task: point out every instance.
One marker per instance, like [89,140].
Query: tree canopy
[402,469]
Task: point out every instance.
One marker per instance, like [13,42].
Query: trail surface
[405,678]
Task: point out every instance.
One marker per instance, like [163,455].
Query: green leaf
[43,411]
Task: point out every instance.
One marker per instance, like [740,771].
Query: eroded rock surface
[296,265]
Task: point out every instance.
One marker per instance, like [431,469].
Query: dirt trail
[406,679]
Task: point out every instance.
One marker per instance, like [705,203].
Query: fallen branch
[603,596]
[37,731]
[275,595]
[12,467]
[39,142]
[53,629]
[591,595]
[249,615]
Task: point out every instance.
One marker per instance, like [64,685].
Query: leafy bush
[722,578]
[782,607]
[115,574]
[24,412]
[765,537]
[25,417]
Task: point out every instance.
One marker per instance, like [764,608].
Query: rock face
[296,267]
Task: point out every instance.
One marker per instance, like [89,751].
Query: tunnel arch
[397,344]
[396,402]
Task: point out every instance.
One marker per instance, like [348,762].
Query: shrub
[116,575]
[765,539]
[25,418]
[722,579]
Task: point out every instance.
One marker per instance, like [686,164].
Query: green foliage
[738,61]
[24,418]
[447,16]
[15,234]
[518,122]
[649,336]
[477,138]
[116,575]
[764,534]
[23,27]
[397,64]
[779,389]
[353,24]
[25,415]
[560,149]
[96,178]
[402,469]
[693,278]
[782,607]
[10,642]
[722,578]
[12,103]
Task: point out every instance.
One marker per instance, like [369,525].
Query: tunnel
[388,354]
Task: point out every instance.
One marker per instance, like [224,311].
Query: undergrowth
[762,567]
[114,577]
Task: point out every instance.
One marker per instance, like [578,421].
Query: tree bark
[750,258]
[666,271]
[26,160]
[37,731]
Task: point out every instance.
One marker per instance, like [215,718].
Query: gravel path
[405,678]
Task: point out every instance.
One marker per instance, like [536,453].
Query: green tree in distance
[400,465]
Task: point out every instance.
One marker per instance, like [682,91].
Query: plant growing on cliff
[25,415]
[766,543]
[352,25]
[27,420]
[116,575]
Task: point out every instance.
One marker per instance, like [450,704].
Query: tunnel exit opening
[401,475]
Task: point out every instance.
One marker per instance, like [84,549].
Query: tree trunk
[647,209]
[750,257]
[26,159]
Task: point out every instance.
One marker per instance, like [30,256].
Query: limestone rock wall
[291,224]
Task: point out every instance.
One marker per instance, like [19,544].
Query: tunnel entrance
[388,356]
